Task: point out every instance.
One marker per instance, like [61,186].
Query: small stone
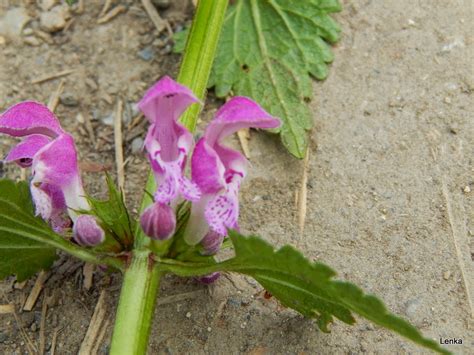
[412,308]
[34,327]
[47,4]
[13,21]
[27,32]
[446,275]
[447,100]
[161,4]
[243,325]
[32,41]
[55,19]
[80,118]
[137,145]
[188,315]
[91,84]
[68,99]
[3,41]
[209,329]
[3,337]
[108,120]
[466,189]
[146,54]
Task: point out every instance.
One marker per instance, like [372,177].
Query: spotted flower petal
[218,170]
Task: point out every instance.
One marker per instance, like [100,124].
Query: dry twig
[44,309]
[155,17]
[106,7]
[54,98]
[244,136]
[95,325]
[7,308]
[119,145]
[35,291]
[88,272]
[111,14]
[48,77]
[302,195]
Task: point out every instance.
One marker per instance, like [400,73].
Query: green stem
[136,306]
[141,279]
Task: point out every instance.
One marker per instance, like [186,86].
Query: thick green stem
[141,280]
[136,306]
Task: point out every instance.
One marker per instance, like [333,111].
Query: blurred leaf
[307,287]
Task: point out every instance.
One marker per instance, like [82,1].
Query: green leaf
[21,250]
[266,50]
[114,218]
[308,287]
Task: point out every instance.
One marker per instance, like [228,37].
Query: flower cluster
[56,185]
[216,170]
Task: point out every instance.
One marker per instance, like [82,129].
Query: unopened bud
[211,243]
[86,231]
[158,221]
[209,279]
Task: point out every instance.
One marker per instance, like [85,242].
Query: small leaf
[113,215]
[266,50]
[22,251]
[308,287]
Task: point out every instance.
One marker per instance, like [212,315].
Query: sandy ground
[389,178]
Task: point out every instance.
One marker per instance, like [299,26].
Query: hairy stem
[141,280]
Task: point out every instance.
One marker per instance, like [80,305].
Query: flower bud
[86,231]
[209,279]
[211,243]
[158,221]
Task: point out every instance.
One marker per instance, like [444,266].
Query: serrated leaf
[114,217]
[22,251]
[266,50]
[308,287]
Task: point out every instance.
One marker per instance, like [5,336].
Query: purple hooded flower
[218,172]
[168,143]
[56,186]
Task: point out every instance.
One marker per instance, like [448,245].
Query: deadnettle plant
[217,171]
[56,186]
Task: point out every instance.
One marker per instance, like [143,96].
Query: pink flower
[218,171]
[168,143]
[56,186]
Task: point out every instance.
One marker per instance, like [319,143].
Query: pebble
[446,275]
[3,41]
[32,41]
[91,84]
[146,54]
[68,99]
[188,315]
[13,21]
[412,308]
[47,4]
[80,118]
[55,19]
[109,119]
[467,189]
[137,145]
[161,4]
